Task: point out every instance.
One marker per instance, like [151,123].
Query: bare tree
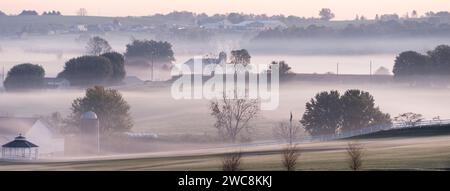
[232,162]
[290,157]
[288,132]
[410,119]
[355,154]
[97,45]
[233,115]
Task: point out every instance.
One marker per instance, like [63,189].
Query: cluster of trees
[284,69]
[330,112]
[203,18]
[413,64]
[234,17]
[101,65]
[28,13]
[24,77]
[107,68]
[54,13]
[389,28]
[149,53]
[33,13]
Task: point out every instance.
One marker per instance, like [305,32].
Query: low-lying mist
[154,110]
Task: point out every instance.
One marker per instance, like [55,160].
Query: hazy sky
[344,9]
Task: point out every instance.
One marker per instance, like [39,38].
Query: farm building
[56,83]
[204,62]
[35,130]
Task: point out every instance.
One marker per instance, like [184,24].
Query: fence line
[348,134]
[321,138]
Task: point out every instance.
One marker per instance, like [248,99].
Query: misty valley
[83,92]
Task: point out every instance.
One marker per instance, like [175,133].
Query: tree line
[431,67]
[385,28]
[99,66]
[34,13]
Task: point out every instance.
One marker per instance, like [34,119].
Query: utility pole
[3,73]
[371,68]
[98,139]
[290,130]
[152,69]
[337,69]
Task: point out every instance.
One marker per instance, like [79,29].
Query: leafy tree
[87,70]
[97,45]
[323,114]
[410,63]
[283,68]
[359,111]
[240,57]
[25,76]
[440,59]
[118,66]
[112,110]
[141,52]
[414,14]
[329,112]
[326,14]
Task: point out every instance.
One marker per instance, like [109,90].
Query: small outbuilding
[20,149]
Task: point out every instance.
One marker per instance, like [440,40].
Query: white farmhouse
[35,130]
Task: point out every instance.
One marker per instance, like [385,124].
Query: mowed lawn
[425,153]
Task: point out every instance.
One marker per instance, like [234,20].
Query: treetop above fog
[24,77]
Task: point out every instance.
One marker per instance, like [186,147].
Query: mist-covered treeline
[390,28]
[188,25]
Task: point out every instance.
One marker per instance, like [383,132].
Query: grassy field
[425,153]
[421,131]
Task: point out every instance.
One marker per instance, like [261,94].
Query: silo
[89,123]
[90,129]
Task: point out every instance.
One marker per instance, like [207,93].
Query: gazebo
[20,149]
